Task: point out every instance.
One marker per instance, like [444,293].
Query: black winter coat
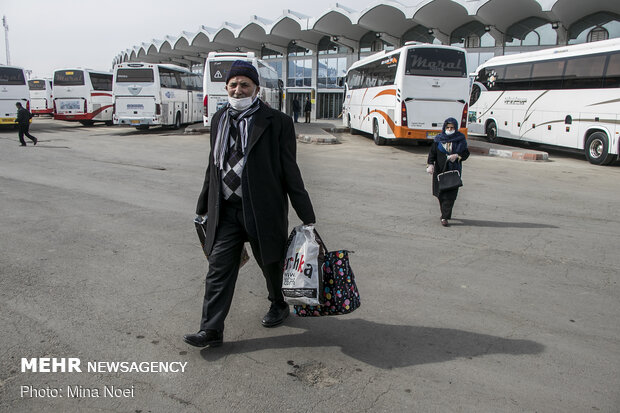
[23,116]
[270,177]
[438,158]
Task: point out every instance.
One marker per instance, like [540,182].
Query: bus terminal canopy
[390,22]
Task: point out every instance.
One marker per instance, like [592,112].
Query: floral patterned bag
[339,288]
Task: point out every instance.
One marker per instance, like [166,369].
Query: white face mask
[240,104]
[449,132]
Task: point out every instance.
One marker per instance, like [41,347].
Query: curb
[318,140]
[508,153]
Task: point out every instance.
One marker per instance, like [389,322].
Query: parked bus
[149,94]
[217,66]
[13,89]
[566,96]
[41,97]
[407,93]
[83,95]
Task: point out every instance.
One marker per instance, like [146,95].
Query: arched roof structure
[389,19]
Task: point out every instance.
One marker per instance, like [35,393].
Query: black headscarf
[443,138]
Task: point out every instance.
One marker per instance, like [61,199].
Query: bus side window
[568,120]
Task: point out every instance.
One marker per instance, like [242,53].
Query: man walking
[23,124]
[296,109]
[251,175]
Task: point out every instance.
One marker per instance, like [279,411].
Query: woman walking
[447,152]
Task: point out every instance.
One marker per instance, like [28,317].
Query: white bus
[41,96]
[566,96]
[13,89]
[407,93]
[83,95]
[149,94]
[217,66]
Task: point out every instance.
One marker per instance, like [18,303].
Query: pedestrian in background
[252,173]
[23,124]
[447,153]
[307,110]
[296,109]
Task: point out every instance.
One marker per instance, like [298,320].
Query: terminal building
[312,53]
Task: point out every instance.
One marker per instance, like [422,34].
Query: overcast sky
[45,35]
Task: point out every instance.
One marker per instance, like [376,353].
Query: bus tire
[375,133]
[87,122]
[109,123]
[491,131]
[597,149]
[177,121]
[142,127]
[351,130]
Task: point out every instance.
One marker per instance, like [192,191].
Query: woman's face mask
[449,132]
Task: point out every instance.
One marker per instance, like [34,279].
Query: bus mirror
[341,82]
[568,120]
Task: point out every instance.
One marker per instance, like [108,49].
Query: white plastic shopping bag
[302,282]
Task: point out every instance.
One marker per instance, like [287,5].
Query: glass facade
[330,71]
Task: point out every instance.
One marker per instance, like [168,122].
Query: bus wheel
[87,122]
[375,134]
[597,149]
[109,123]
[142,127]
[177,121]
[492,133]
[351,130]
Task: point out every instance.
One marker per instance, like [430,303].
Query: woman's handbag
[340,292]
[449,180]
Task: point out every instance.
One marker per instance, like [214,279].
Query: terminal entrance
[329,105]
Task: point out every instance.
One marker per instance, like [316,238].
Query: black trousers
[23,130]
[224,268]
[446,205]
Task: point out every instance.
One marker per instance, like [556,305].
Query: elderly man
[251,174]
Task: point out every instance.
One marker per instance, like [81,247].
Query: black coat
[23,116]
[438,158]
[270,177]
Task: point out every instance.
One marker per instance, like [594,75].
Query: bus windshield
[219,69]
[69,78]
[436,62]
[11,76]
[36,84]
[135,76]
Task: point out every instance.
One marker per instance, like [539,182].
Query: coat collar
[260,123]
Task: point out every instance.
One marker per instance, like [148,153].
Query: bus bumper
[4,121]
[137,122]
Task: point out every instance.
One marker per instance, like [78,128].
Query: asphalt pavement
[512,308]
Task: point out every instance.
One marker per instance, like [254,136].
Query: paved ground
[513,308]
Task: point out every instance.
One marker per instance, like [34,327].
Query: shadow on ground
[383,346]
[497,224]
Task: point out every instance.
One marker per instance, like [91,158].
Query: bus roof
[102,72]
[555,53]
[407,46]
[231,55]
[165,65]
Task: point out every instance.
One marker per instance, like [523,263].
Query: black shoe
[35,141]
[208,338]
[276,315]
[444,222]
[23,144]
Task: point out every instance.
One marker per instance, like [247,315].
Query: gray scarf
[241,121]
